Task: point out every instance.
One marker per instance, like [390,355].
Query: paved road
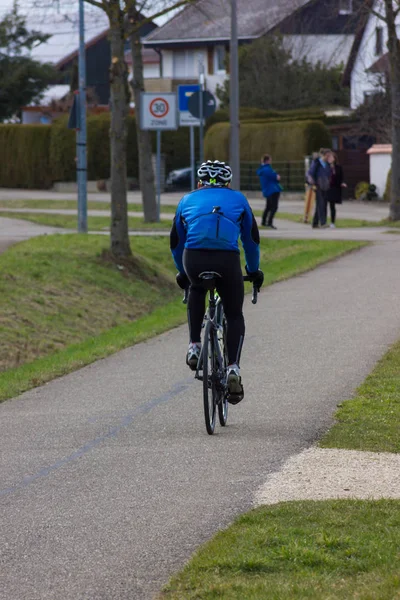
[108,479]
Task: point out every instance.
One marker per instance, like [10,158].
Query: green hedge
[254,114]
[35,156]
[62,151]
[285,141]
[25,156]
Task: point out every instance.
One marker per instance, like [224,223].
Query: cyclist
[204,237]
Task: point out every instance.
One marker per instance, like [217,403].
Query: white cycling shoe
[193,355]
[234,384]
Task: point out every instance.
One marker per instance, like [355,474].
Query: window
[345,7]
[220,56]
[184,64]
[378,41]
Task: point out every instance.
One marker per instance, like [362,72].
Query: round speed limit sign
[158,111]
[159,108]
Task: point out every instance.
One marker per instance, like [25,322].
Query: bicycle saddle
[208,279]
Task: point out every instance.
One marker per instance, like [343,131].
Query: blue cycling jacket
[268,180]
[213,218]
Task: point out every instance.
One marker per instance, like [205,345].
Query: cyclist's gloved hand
[182,280]
[257,278]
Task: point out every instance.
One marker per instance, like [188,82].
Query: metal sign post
[81,133]
[185,92]
[158,168]
[201,81]
[158,113]
[192,159]
[234,99]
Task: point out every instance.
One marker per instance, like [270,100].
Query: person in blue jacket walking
[204,237]
[271,190]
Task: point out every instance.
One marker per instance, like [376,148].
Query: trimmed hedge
[62,151]
[35,156]
[25,156]
[255,114]
[285,140]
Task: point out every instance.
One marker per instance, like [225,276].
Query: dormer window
[345,7]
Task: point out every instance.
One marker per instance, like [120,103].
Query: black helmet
[214,173]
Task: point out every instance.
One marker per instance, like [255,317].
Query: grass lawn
[94,223]
[371,420]
[72,205]
[64,303]
[333,550]
[349,223]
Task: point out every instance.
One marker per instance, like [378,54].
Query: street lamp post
[234,100]
[81,132]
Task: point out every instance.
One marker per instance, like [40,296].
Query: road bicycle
[213,360]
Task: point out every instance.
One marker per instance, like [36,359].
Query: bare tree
[388,11]
[134,13]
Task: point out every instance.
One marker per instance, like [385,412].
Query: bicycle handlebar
[245,278]
[255,289]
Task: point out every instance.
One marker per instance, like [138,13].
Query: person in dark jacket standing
[334,195]
[271,190]
[320,177]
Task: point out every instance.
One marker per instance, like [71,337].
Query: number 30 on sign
[159,111]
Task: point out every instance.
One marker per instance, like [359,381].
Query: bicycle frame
[211,317]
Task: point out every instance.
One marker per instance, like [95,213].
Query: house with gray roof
[328,31]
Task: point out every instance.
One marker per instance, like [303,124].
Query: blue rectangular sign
[184,93]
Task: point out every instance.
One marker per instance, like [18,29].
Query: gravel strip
[322,474]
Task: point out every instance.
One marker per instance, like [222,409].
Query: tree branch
[96,3]
[376,14]
[130,4]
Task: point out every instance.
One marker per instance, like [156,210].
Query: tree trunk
[394,58]
[119,105]
[146,173]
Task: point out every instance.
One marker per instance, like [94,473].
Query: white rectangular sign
[187,119]
[158,111]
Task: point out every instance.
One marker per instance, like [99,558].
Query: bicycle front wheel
[223,403]
[209,390]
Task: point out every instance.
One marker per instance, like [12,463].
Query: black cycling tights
[230,288]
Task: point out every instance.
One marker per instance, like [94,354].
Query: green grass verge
[94,223]
[371,420]
[341,223]
[333,550]
[72,205]
[63,304]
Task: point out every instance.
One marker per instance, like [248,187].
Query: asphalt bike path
[289,202]
[108,480]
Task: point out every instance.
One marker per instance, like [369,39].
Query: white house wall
[151,71]
[214,80]
[363,82]
[167,63]
[331,50]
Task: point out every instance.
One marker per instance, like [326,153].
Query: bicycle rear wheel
[223,403]
[209,391]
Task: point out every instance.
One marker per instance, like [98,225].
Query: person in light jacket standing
[271,190]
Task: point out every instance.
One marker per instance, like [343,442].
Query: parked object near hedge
[380,159]
[285,140]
